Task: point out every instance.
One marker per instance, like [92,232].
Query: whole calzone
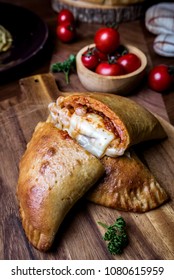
[105,124]
[54,173]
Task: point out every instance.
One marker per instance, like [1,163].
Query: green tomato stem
[66,76]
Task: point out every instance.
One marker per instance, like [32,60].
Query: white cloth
[164,45]
[159,20]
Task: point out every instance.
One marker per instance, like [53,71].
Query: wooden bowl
[121,85]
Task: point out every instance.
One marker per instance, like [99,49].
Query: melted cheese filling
[88,129]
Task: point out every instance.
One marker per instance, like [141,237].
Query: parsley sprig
[116,236]
[66,66]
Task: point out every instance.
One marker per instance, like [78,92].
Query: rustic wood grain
[23,105]
[99,12]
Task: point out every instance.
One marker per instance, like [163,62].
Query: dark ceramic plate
[29,34]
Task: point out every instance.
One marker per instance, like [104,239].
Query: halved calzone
[104,124]
[54,173]
[128,185]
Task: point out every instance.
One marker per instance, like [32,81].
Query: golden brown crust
[54,173]
[133,122]
[128,185]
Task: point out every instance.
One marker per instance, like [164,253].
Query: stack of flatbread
[85,149]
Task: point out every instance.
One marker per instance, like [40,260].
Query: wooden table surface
[15,130]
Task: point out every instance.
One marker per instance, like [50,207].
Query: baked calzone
[104,124]
[128,185]
[54,172]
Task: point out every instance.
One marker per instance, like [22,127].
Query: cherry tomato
[109,69]
[107,39]
[90,59]
[66,32]
[161,77]
[101,56]
[121,50]
[65,16]
[130,62]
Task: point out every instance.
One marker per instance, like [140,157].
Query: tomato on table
[66,32]
[161,77]
[107,39]
[65,15]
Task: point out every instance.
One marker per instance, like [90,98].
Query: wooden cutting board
[79,237]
